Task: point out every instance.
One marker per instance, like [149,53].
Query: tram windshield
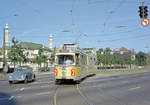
[65,59]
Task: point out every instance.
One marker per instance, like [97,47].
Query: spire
[50,41]
[6,26]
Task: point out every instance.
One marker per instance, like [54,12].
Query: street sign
[145,22]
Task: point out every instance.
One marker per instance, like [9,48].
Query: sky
[90,23]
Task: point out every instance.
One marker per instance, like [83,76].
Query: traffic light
[141,12]
[145,11]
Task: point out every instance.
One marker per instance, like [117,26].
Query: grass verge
[123,72]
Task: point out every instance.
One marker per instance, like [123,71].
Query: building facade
[30,50]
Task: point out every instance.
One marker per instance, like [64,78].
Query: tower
[51,41]
[6,44]
[6,36]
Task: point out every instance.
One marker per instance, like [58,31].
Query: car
[44,69]
[22,73]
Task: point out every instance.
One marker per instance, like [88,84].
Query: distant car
[44,69]
[22,73]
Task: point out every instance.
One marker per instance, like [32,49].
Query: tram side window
[83,60]
[77,59]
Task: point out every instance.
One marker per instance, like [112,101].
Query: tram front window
[65,59]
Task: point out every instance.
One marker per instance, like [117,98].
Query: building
[51,41]
[30,50]
[90,51]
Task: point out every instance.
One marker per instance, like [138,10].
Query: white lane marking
[44,93]
[18,96]
[134,88]
[11,98]
[40,82]
[45,86]
[22,89]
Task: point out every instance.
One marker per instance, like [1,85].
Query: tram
[72,63]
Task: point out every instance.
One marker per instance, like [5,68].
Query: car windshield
[65,59]
[22,68]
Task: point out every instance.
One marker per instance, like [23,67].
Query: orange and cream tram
[72,63]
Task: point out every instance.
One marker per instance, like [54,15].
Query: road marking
[134,88]
[18,96]
[45,86]
[22,89]
[129,92]
[44,93]
[11,98]
[55,100]
[40,82]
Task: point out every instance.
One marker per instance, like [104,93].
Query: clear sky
[90,23]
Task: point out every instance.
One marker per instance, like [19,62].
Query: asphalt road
[129,89]
[33,93]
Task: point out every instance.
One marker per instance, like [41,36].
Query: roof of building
[30,45]
[123,49]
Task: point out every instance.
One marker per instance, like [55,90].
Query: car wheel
[26,80]
[10,82]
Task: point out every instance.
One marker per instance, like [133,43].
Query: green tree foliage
[105,57]
[15,54]
[88,52]
[52,58]
[1,52]
[140,59]
[107,50]
[41,58]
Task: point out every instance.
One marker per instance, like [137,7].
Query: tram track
[75,88]
[83,96]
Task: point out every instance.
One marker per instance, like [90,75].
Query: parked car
[44,69]
[22,73]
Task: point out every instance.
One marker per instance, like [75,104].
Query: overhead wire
[127,38]
[28,5]
[110,14]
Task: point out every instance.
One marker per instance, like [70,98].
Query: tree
[41,58]
[52,58]
[140,59]
[88,52]
[15,54]
[100,56]
[1,52]
[107,50]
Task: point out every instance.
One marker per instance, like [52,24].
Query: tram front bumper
[67,78]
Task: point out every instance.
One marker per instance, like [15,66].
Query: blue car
[22,73]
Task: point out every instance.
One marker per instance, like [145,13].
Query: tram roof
[72,48]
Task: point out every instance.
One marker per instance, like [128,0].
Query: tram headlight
[72,72]
[56,72]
